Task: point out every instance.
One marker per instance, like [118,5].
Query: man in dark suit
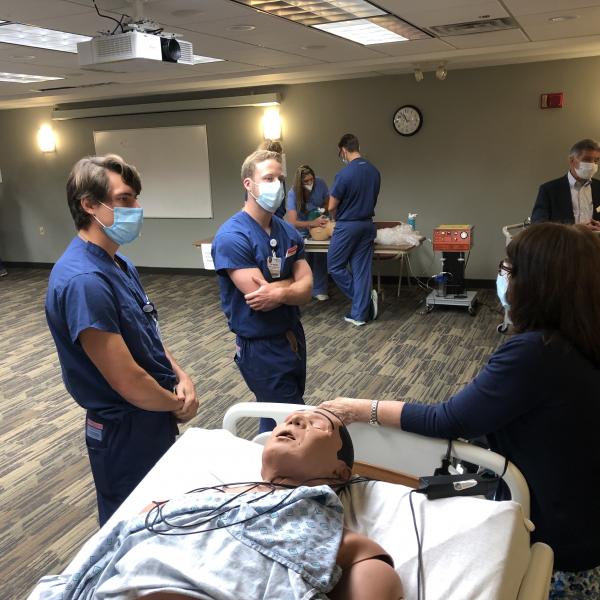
[575,197]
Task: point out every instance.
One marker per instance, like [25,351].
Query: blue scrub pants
[318,264]
[122,451]
[350,263]
[274,368]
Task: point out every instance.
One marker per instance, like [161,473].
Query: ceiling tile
[531,7]
[42,58]
[413,47]
[30,11]
[444,13]
[483,40]
[539,27]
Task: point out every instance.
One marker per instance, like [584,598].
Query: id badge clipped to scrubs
[274,261]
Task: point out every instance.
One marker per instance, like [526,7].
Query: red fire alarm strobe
[552,100]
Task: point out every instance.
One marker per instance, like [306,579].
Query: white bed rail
[395,449]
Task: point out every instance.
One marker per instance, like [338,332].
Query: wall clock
[408,120]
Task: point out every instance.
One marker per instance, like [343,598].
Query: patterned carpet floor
[46,491]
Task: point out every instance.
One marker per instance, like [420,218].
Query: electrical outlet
[42,230]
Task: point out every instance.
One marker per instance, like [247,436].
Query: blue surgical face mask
[270,195]
[127,224]
[501,287]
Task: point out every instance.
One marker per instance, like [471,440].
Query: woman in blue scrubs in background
[310,193]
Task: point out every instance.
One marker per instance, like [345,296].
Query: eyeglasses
[504,267]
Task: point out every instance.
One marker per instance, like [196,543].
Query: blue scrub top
[88,290]
[356,186]
[317,198]
[241,243]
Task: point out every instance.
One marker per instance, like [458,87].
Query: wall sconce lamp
[418,75]
[271,124]
[46,139]
[441,72]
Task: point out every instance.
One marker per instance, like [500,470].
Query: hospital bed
[472,549]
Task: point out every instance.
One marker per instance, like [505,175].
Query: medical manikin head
[310,446]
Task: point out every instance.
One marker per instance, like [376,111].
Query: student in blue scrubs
[308,194]
[264,277]
[275,146]
[352,204]
[105,328]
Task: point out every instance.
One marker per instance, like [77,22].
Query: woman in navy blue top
[308,195]
[537,399]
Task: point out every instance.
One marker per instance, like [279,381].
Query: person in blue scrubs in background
[105,328]
[309,194]
[352,205]
[264,277]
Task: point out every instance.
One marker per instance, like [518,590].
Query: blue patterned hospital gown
[287,552]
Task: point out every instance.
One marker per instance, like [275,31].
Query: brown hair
[301,172]
[249,165]
[554,284]
[88,179]
[271,146]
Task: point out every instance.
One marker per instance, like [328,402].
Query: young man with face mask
[264,277]
[352,205]
[575,197]
[106,332]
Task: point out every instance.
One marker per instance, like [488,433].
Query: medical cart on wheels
[453,241]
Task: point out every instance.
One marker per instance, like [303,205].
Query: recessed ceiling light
[362,31]
[313,12]
[241,28]
[313,47]
[205,59]
[24,78]
[37,37]
[563,18]
[187,12]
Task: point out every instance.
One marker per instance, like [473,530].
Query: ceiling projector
[132,51]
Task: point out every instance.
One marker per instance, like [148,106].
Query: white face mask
[308,187]
[270,195]
[501,288]
[586,170]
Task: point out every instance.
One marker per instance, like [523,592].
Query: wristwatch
[373,418]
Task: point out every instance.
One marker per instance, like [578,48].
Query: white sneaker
[349,319]
[375,308]
[321,297]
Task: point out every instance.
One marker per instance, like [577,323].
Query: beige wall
[484,148]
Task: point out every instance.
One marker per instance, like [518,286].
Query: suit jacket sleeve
[541,208]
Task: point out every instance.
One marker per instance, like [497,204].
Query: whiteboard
[173,164]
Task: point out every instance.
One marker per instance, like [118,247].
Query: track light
[418,75]
[441,72]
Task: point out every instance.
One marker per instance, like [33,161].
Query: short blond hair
[249,165]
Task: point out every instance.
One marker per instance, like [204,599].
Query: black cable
[420,579]
[119,23]
[155,516]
